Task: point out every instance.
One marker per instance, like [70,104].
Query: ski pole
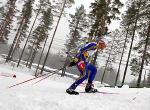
[54,72]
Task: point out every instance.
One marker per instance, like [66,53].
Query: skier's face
[101,45]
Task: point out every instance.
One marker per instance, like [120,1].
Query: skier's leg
[93,71]
[71,89]
[79,80]
[92,74]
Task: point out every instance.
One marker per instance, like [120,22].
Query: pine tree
[24,21]
[103,11]
[78,25]
[127,25]
[7,13]
[138,12]
[41,32]
[144,54]
[134,12]
[135,66]
[38,11]
[65,2]
[114,50]
[57,6]
[144,40]
[122,54]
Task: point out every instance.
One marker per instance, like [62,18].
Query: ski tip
[14,76]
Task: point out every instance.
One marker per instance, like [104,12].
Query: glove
[73,62]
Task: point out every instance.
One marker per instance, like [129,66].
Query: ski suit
[89,68]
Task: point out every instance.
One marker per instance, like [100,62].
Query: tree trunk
[143,57]
[14,42]
[32,57]
[107,62]
[53,37]
[135,25]
[144,81]
[36,74]
[122,55]
[30,54]
[28,36]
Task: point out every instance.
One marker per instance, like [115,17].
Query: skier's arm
[91,46]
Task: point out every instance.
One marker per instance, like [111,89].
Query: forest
[28,29]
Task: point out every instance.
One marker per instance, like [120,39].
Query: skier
[86,69]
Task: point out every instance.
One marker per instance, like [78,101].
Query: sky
[49,94]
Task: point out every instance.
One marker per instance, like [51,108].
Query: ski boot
[90,88]
[72,92]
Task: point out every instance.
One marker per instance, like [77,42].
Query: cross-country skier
[86,69]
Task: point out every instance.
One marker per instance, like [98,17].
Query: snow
[125,86]
[50,94]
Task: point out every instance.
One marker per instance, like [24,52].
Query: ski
[8,75]
[25,81]
[101,92]
[106,92]
[31,79]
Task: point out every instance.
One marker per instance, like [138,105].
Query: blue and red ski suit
[88,67]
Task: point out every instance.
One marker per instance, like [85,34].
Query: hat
[103,40]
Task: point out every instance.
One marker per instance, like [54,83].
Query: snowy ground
[49,94]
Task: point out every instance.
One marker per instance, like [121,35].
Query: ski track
[49,94]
